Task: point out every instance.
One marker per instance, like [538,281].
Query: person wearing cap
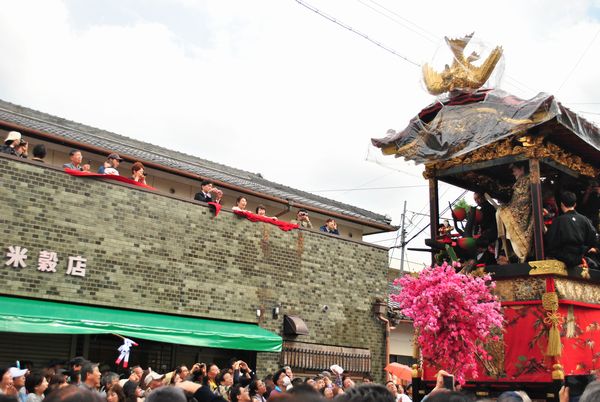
[153,381]
[18,378]
[302,219]
[110,165]
[12,141]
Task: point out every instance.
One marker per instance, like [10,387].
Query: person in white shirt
[240,204]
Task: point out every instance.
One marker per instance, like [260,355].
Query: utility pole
[402,240]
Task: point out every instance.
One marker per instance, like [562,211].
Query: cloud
[272,87]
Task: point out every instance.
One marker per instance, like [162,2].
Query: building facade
[159,257]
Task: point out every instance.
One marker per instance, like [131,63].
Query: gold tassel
[557,372]
[416,371]
[585,269]
[554,345]
[553,320]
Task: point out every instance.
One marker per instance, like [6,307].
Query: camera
[449,382]
[325,308]
[577,384]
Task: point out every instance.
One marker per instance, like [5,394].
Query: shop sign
[47,261]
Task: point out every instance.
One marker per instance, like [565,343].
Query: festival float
[475,137]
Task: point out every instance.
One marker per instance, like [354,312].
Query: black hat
[77,361]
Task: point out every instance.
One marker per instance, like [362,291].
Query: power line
[398,22]
[426,226]
[424,208]
[517,84]
[579,60]
[370,181]
[349,28]
[367,188]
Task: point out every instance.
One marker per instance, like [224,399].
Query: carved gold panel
[585,292]
[520,289]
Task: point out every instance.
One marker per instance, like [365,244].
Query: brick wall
[158,253]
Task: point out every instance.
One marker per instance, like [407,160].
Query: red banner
[75,172]
[286,226]
[215,207]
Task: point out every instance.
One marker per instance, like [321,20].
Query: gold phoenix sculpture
[462,74]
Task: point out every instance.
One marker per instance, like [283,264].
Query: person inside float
[515,223]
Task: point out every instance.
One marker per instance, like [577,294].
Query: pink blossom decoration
[453,314]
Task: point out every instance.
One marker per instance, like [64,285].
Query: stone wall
[153,252]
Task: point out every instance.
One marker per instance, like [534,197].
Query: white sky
[271,87]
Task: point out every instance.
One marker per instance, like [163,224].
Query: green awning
[45,317]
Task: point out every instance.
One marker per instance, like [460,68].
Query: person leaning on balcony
[39,153]
[240,204]
[262,211]
[76,158]
[12,141]
[330,227]
[22,148]
[207,191]
[110,165]
[302,219]
[137,173]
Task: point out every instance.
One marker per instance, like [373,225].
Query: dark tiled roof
[147,152]
[394,311]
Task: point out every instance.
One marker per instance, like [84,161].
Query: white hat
[13,135]
[15,372]
[151,376]
[336,369]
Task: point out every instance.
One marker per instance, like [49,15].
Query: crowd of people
[15,145]
[81,380]
[202,382]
